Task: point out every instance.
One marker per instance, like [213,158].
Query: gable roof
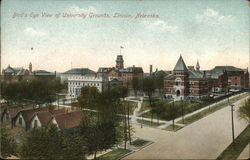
[80,71]
[14,110]
[28,114]
[45,116]
[69,120]
[180,65]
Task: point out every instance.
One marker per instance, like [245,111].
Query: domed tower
[119,62]
[181,82]
[197,65]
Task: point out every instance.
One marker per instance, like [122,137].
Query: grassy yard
[132,106]
[148,123]
[208,111]
[115,154]
[170,128]
[139,143]
[233,151]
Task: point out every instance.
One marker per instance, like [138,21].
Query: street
[204,139]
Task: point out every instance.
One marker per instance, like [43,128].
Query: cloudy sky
[215,32]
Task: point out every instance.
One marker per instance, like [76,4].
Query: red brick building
[127,74]
[184,83]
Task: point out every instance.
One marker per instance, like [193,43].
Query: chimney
[150,68]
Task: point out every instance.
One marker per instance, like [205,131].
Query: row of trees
[111,111]
[36,90]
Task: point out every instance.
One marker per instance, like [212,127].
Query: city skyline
[208,34]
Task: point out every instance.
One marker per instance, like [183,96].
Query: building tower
[197,65]
[119,62]
[30,67]
[181,82]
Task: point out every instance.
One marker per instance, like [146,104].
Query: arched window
[178,93]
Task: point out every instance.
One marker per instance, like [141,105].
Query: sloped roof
[123,70]
[44,117]
[42,73]
[14,110]
[170,76]
[70,120]
[227,68]
[28,114]
[180,65]
[80,71]
[195,74]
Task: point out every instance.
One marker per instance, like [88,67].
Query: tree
[244,111]
[158,108]
[42,143]
[149,88]
[8,143]
[89,97]
[136,85]
[73,145]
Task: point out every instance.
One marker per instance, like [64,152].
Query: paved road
[204,139]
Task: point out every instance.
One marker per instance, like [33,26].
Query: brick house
[187,83]
[126,74]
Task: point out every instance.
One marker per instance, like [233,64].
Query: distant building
[100,81]
[126,74]
[184,83]
[189,83]
[11,74]
[76,72]
[238,79]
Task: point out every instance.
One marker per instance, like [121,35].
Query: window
[35,124]
[20,121]
[235,78]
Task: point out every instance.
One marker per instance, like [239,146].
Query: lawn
[148,123]
[139,143]
[132,106]
[233,151]
[115,154]
[170,128]
[208,111]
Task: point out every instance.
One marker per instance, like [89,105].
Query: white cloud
[162,25]
[210,14]
[34,32]
[77,9]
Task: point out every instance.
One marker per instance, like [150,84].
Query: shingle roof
[180,65]
[81,71]
[44,117]
[195,74]
[170,76]
[70,120]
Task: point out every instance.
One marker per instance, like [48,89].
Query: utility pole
[232,109]
[129,134]
[182,111]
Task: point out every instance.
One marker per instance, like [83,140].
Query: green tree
[42,143]
[149,88]
[244,111]
[136,85]
[89,97]
[8,143]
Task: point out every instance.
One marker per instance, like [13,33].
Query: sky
[213,32]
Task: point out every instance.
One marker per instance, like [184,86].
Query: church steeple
[197,65]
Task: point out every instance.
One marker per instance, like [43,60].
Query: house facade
[192,83]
